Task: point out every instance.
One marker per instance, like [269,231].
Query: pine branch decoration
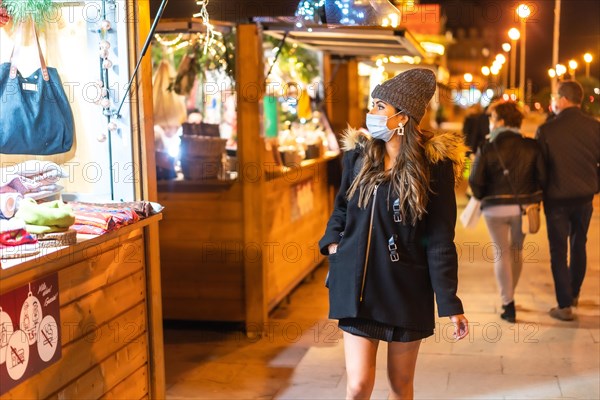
[22,10]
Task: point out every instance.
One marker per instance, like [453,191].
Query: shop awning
[353,41]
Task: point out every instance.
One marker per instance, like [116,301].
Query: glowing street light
[500,58]
[485,70]
[552,73]
[506,47]
[572,67]
[560,70]
[587,57]
[468,77]
[523,11]
[514,35]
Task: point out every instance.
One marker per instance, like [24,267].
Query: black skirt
[377,330]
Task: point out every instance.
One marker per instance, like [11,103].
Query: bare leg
[360,365]
[402,359]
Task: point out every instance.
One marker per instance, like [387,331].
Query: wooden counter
[110,313]
[205,251]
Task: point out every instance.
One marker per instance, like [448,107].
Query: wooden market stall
[231,250]
[101,333]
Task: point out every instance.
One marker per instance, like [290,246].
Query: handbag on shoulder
[532,211]
[35,114]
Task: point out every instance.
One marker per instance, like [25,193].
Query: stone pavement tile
[324,376]
[193,391]
[540,365]
[595,335]
[446,363]
[288,357]
[331,356]
[580,386]
[478,302]
[431,384]
[498,386]
[230,382]
[308,391]
[216,372]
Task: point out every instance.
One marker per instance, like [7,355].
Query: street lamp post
[523,11]
[572,68]
[587,57]
[501,60]
[514,35]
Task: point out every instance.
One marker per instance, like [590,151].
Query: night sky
[579,30]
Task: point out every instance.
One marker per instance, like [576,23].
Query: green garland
[23,10]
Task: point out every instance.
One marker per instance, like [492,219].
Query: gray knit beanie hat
[409,91]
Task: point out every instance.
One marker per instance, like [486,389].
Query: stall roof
[176,25]
[353,41]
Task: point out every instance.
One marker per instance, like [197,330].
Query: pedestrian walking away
[507,175]
[570,144]
[390,238]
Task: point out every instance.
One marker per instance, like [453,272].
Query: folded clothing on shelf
[52,216]
[32,176]
[97,219]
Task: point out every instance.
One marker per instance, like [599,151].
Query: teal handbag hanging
[35,114]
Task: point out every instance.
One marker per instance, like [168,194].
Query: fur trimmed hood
[442,145]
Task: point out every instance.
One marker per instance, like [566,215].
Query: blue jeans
[568,227]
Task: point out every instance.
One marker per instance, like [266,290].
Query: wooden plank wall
[104,333]
[291,250]
[202,252]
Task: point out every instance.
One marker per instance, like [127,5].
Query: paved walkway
[302,357]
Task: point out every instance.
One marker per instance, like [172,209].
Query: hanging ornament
[210,32]
[105,25]
[31,316]
[103,53]
[107,64]
[104,45]
[105,102]
[101,137]
[112,126]
[7,328]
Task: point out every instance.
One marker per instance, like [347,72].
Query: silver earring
[401,129]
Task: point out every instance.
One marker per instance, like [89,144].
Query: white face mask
[377,126]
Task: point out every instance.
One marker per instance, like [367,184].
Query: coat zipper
[364,277]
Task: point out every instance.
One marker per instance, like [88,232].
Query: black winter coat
[527,172]
[570,143]
[398,286]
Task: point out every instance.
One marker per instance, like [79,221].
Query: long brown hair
[409,177]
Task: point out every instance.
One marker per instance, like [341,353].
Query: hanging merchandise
[35,117]
[169,107]
[4,17]
[23,11]
[187,71]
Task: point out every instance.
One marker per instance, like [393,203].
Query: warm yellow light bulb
[573,64]
[523,11]
[514,34]
[587,57]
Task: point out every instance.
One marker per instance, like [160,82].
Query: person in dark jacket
[508,174]
[390,238]
[570,144]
